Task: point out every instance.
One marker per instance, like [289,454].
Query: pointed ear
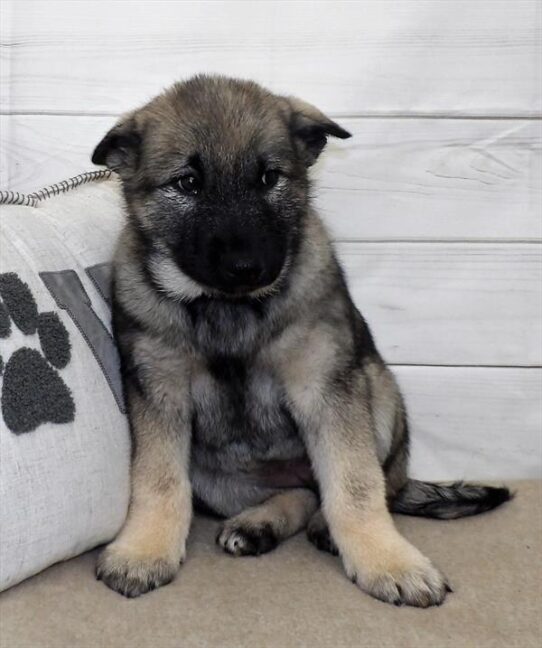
[119,149]
[311,128]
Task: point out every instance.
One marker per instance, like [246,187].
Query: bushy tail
[447,502]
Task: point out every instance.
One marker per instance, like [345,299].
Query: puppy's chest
[240,415]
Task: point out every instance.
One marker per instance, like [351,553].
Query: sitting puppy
[254,387]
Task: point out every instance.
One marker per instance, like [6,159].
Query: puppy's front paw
[130,574]
[402,576]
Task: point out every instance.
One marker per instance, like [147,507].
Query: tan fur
[341,445]
[152,542]
[153,539]
[386,401]
[382,562]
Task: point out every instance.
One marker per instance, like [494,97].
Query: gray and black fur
[253,383]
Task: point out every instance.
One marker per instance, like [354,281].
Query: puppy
[253,385]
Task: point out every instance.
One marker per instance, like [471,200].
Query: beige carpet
[297,597]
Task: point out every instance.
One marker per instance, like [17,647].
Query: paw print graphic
[33,391]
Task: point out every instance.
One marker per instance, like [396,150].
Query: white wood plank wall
[436,202]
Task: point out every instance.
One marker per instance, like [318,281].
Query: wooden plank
[396,179]
[474,423]
[434,179]
[450,304]
[39,150]
[367,57]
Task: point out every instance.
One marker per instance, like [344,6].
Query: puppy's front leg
[151,545]
[337,425]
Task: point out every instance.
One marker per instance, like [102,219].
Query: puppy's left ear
[311,128]
[119,149]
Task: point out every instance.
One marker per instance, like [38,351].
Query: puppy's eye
[189,184]
[270,178]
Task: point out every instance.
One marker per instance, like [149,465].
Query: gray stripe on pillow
[70,295]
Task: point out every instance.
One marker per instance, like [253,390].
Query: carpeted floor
[296,597]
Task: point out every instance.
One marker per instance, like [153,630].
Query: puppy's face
[215,175]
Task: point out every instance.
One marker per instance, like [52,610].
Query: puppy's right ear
[119,149]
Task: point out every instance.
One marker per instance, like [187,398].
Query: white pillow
[64,440]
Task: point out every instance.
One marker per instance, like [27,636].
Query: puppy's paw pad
[131,576]
[245,540]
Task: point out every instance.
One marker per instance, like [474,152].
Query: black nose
[246,272]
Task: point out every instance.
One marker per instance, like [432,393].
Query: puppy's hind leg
[318,533]
[259,529]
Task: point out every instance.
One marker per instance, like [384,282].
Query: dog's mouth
[181,283]
[247,278]
[241,291]
[248,290]
[269,286]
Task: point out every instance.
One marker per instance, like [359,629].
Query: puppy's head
[215,175]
